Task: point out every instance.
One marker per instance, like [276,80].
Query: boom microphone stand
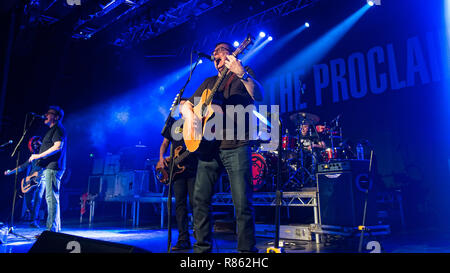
[11,226]
[168,125]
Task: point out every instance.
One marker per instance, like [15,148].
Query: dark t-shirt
[56,161]
[230,92]
[190,162]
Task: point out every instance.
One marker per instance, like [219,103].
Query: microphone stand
[366,195]
[169,122]
[11,226]
[278,197]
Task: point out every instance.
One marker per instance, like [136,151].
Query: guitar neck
[216,85]
[181,157]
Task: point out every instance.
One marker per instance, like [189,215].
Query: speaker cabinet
[342,196]
[53,242]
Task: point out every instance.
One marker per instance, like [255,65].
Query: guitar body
[193,138]
[29,182]
[163,174]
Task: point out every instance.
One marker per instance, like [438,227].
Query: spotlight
[370,3]
[306,24]
[262,34]
[270,38]
[200,61]
[236,43]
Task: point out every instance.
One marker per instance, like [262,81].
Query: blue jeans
[237,163]
[51,180]
[36,202]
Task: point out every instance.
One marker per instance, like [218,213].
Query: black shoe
[182,245]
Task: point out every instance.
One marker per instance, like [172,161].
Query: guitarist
[239,87]
[33,197]
[183,183]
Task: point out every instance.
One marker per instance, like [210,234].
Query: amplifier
[346,165]
[342,196]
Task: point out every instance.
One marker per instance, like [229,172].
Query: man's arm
[162,150]
[254,88]
[18,169]
[57,146]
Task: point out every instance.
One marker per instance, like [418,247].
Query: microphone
[6,143]
[37,115]
[204,55]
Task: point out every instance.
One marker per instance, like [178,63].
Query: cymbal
[305,118]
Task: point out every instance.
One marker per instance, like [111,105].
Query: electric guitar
[162,174]
[30,181]
[203,110]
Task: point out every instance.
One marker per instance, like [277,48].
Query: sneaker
[182,245]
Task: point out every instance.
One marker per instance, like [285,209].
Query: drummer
[309,143]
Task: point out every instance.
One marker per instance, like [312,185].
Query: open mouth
[220,64]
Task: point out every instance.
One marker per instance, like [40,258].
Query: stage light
[262,34]
[370,3]
[200,61]
[236,43]
[306,24]
[315,51]
[270,38]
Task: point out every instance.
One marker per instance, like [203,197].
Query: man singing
[239,87]
[52,158]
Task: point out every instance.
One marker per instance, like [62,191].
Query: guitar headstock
[242,46]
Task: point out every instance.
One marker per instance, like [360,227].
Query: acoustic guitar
[162,174]
[203,110]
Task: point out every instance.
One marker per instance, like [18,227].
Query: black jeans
[182,187]
[237,163]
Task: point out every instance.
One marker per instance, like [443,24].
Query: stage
[154,240]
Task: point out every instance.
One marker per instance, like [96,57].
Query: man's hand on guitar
[234,65]
[193,123]
[161,164]
[33,157]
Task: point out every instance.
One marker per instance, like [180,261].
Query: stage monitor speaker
[342,198]
[53,242]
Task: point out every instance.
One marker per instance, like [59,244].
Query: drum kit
[304,144]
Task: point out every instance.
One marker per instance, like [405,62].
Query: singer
[238,88]
[52,158]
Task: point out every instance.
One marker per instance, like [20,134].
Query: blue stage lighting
[270,38]
[370,3]
[262,34]
[200,61]
[236,43]
[306,24]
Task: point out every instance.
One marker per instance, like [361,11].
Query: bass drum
[263,166]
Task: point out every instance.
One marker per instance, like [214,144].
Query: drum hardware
[302,152]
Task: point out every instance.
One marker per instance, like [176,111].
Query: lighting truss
[152,26]
[283,9]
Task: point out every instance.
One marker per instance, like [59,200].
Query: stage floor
[155,240]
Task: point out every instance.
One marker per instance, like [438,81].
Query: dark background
[112,95]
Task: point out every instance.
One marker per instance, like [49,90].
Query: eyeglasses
[220,49]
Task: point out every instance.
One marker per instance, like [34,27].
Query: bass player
[183,181]
[33,193]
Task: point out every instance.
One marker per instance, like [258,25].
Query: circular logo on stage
[363,182]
